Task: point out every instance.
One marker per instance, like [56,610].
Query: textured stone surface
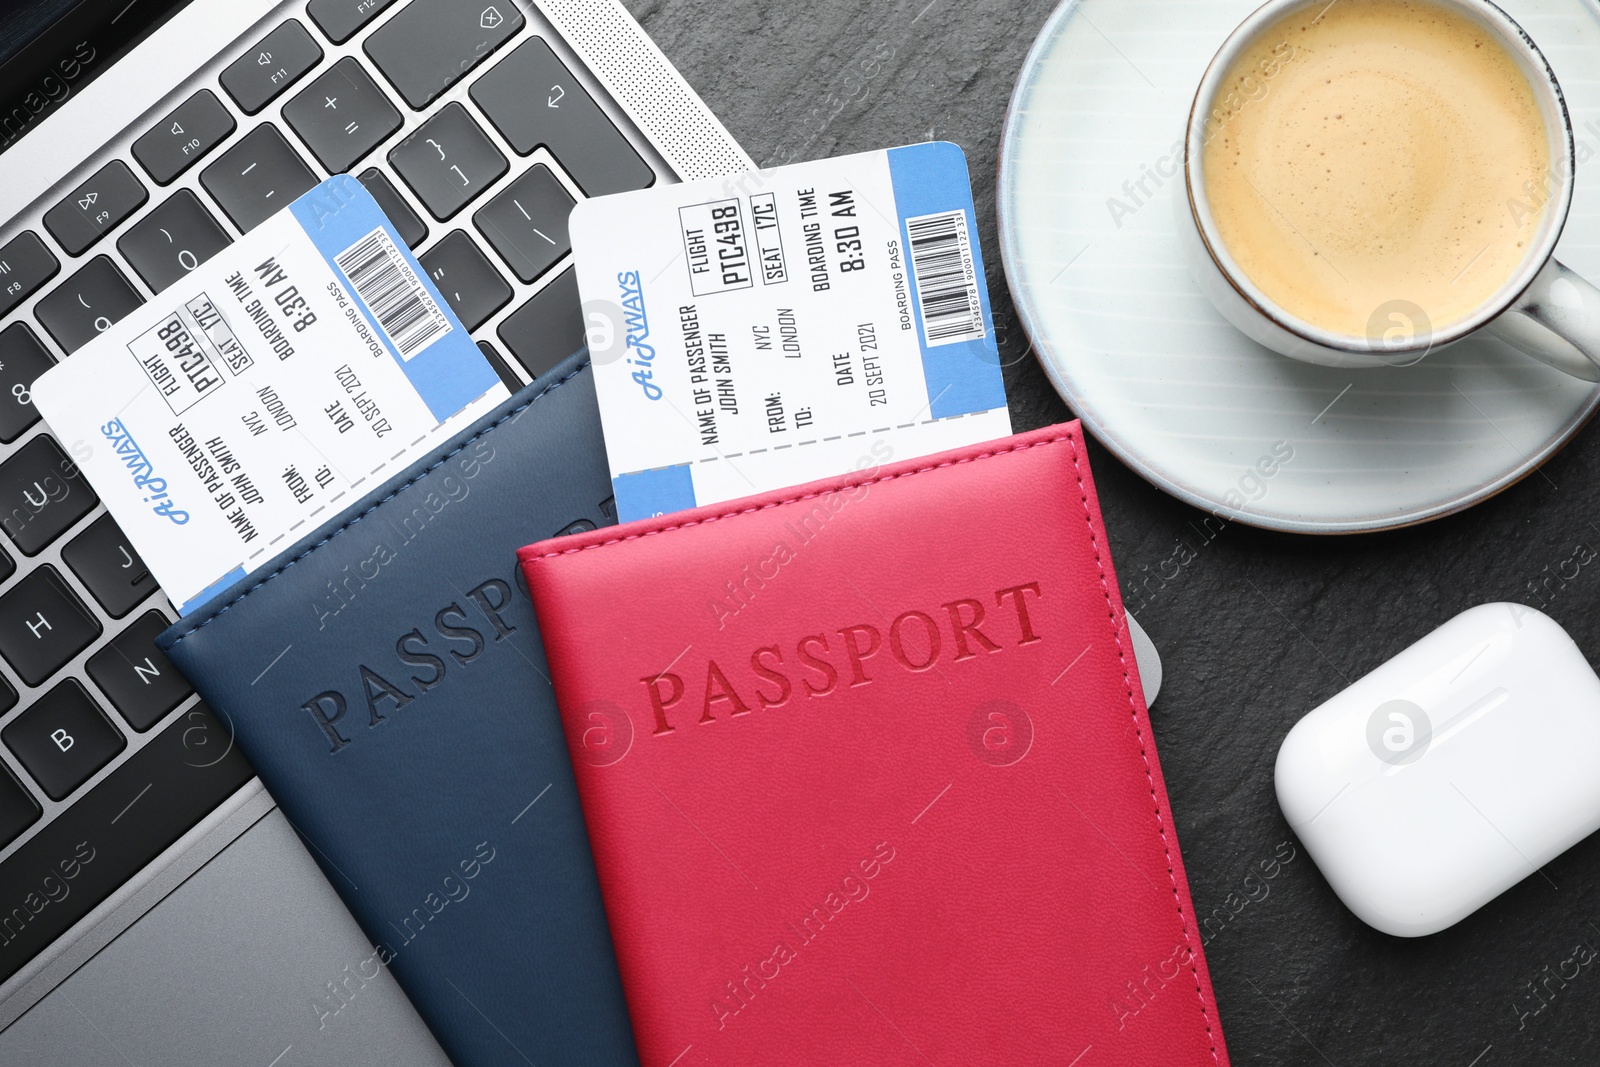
[1258,627]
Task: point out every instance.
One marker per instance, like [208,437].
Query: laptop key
[256,177]
[172,240]
[281,59]
[25,264]
[42,493]
[548,328]
[87,304]
[22,359]
[120,824]
[63,739]
[533,99]
[342,115]
[448,161]
[18,809]
[136,677]
[527,223]
[194,128]
[340,19]
[105,562]
[98,205]
[469,282]
[431,44]
[43,624]
[413,231]
[503,369]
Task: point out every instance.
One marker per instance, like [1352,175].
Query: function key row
[110,195]
[340,19]
[282,58]
[194,128]
[189,132]
[25,265]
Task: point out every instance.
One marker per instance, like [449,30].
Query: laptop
[155,905]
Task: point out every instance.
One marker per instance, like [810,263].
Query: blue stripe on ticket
[212,590]
[960,359]
[403,311]
[654,492]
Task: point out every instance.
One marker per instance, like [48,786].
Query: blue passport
[386,679]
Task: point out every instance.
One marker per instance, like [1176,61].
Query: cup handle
[1557,322]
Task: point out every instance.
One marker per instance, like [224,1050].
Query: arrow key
[94,207]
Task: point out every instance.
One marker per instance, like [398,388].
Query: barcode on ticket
[385,282]
[941,267]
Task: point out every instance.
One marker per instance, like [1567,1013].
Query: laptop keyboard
[478,179]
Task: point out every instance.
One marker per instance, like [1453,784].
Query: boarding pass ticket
[268,388]
[770,328]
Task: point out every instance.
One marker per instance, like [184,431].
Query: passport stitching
[797,499]
[1116,630]
[1144,754]
[549,388]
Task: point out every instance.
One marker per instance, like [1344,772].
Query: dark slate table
[1257,627]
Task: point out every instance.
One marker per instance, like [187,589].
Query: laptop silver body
[230,946]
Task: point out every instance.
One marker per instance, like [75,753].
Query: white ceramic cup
[1543,309]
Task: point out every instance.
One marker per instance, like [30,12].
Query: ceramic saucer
[1090,166]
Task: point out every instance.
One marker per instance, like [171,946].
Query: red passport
[869,777]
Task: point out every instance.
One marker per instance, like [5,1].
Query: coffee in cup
[1380,149]
[1370,180]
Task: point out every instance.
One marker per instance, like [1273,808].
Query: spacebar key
[113,830]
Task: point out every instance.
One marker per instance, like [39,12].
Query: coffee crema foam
[1373,154]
